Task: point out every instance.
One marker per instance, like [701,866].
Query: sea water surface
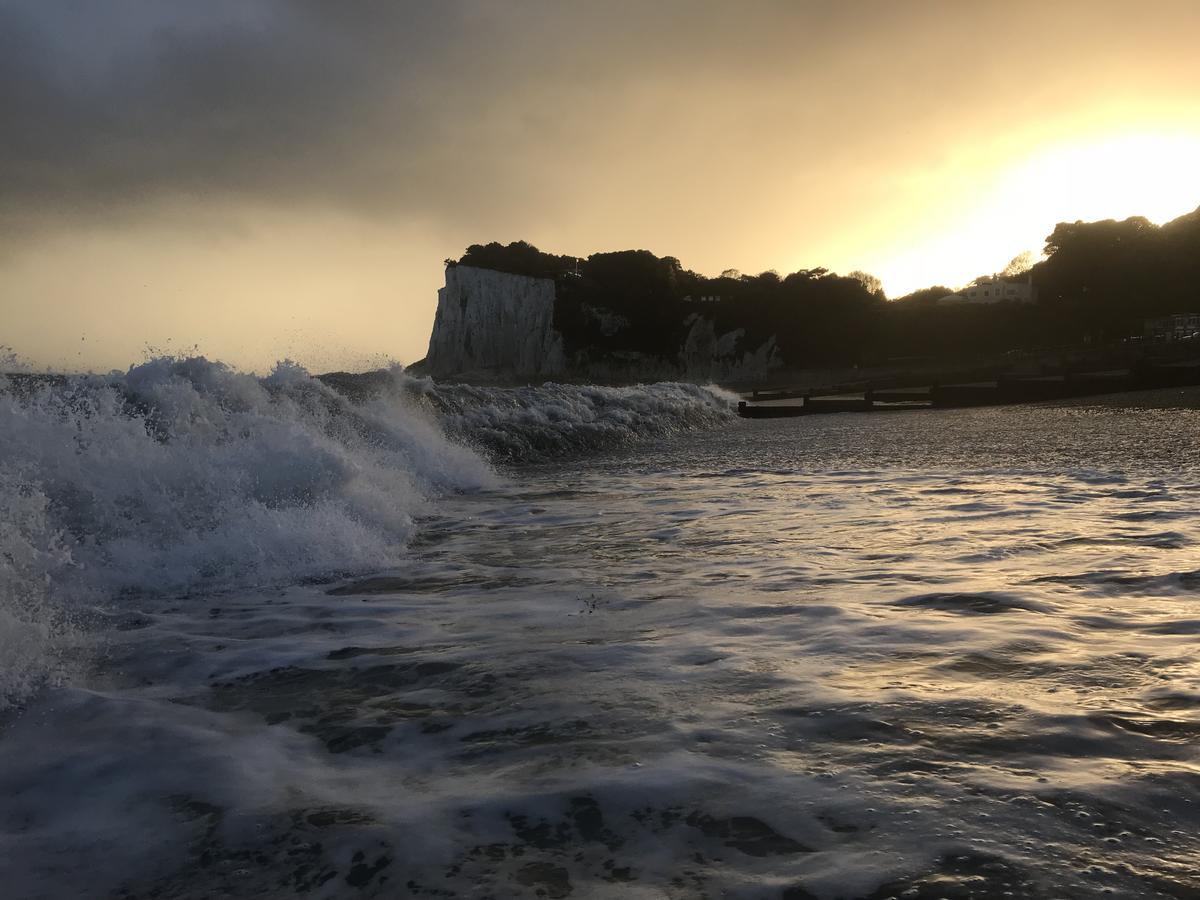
[264,639]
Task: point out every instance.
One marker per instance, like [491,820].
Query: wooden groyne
[999,389]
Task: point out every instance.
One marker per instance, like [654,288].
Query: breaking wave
[184,475]
[532,423]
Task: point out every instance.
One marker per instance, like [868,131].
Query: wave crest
[184,475]
[532,423]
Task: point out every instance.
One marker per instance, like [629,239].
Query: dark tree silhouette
[1098,281]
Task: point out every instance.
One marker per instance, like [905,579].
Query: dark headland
[1112,306]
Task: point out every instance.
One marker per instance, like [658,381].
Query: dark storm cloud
[365,105]
[432,111]
[396,108]
[259,107]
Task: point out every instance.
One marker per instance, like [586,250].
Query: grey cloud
[225,107]
[409,108]
[442,109]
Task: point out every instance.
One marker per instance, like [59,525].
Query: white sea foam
[183,475]
[529,423]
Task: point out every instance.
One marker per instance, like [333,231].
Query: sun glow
[1154,175]
[1151,174]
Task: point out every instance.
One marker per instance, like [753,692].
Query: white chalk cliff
[493,322]
[496,326]
[707,356]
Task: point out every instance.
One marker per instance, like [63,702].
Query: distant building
[1175,327]
[996,290]
[993,290]
[703,298]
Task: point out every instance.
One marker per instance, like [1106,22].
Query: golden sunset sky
[268,179]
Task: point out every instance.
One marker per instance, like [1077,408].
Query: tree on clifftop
[873,285]
[1018,265]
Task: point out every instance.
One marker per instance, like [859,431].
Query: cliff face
[493,322]
[496,326]
[707,356]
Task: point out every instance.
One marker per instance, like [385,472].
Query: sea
[374,636]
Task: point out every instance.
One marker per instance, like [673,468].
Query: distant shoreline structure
[968,388]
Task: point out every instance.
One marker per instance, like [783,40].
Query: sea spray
[184,477]
[526,424]
[33,628]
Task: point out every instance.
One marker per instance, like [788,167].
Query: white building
[994,290]
[1177,327]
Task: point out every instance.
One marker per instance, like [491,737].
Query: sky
[259,179]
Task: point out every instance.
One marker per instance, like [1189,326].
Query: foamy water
[938,654]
